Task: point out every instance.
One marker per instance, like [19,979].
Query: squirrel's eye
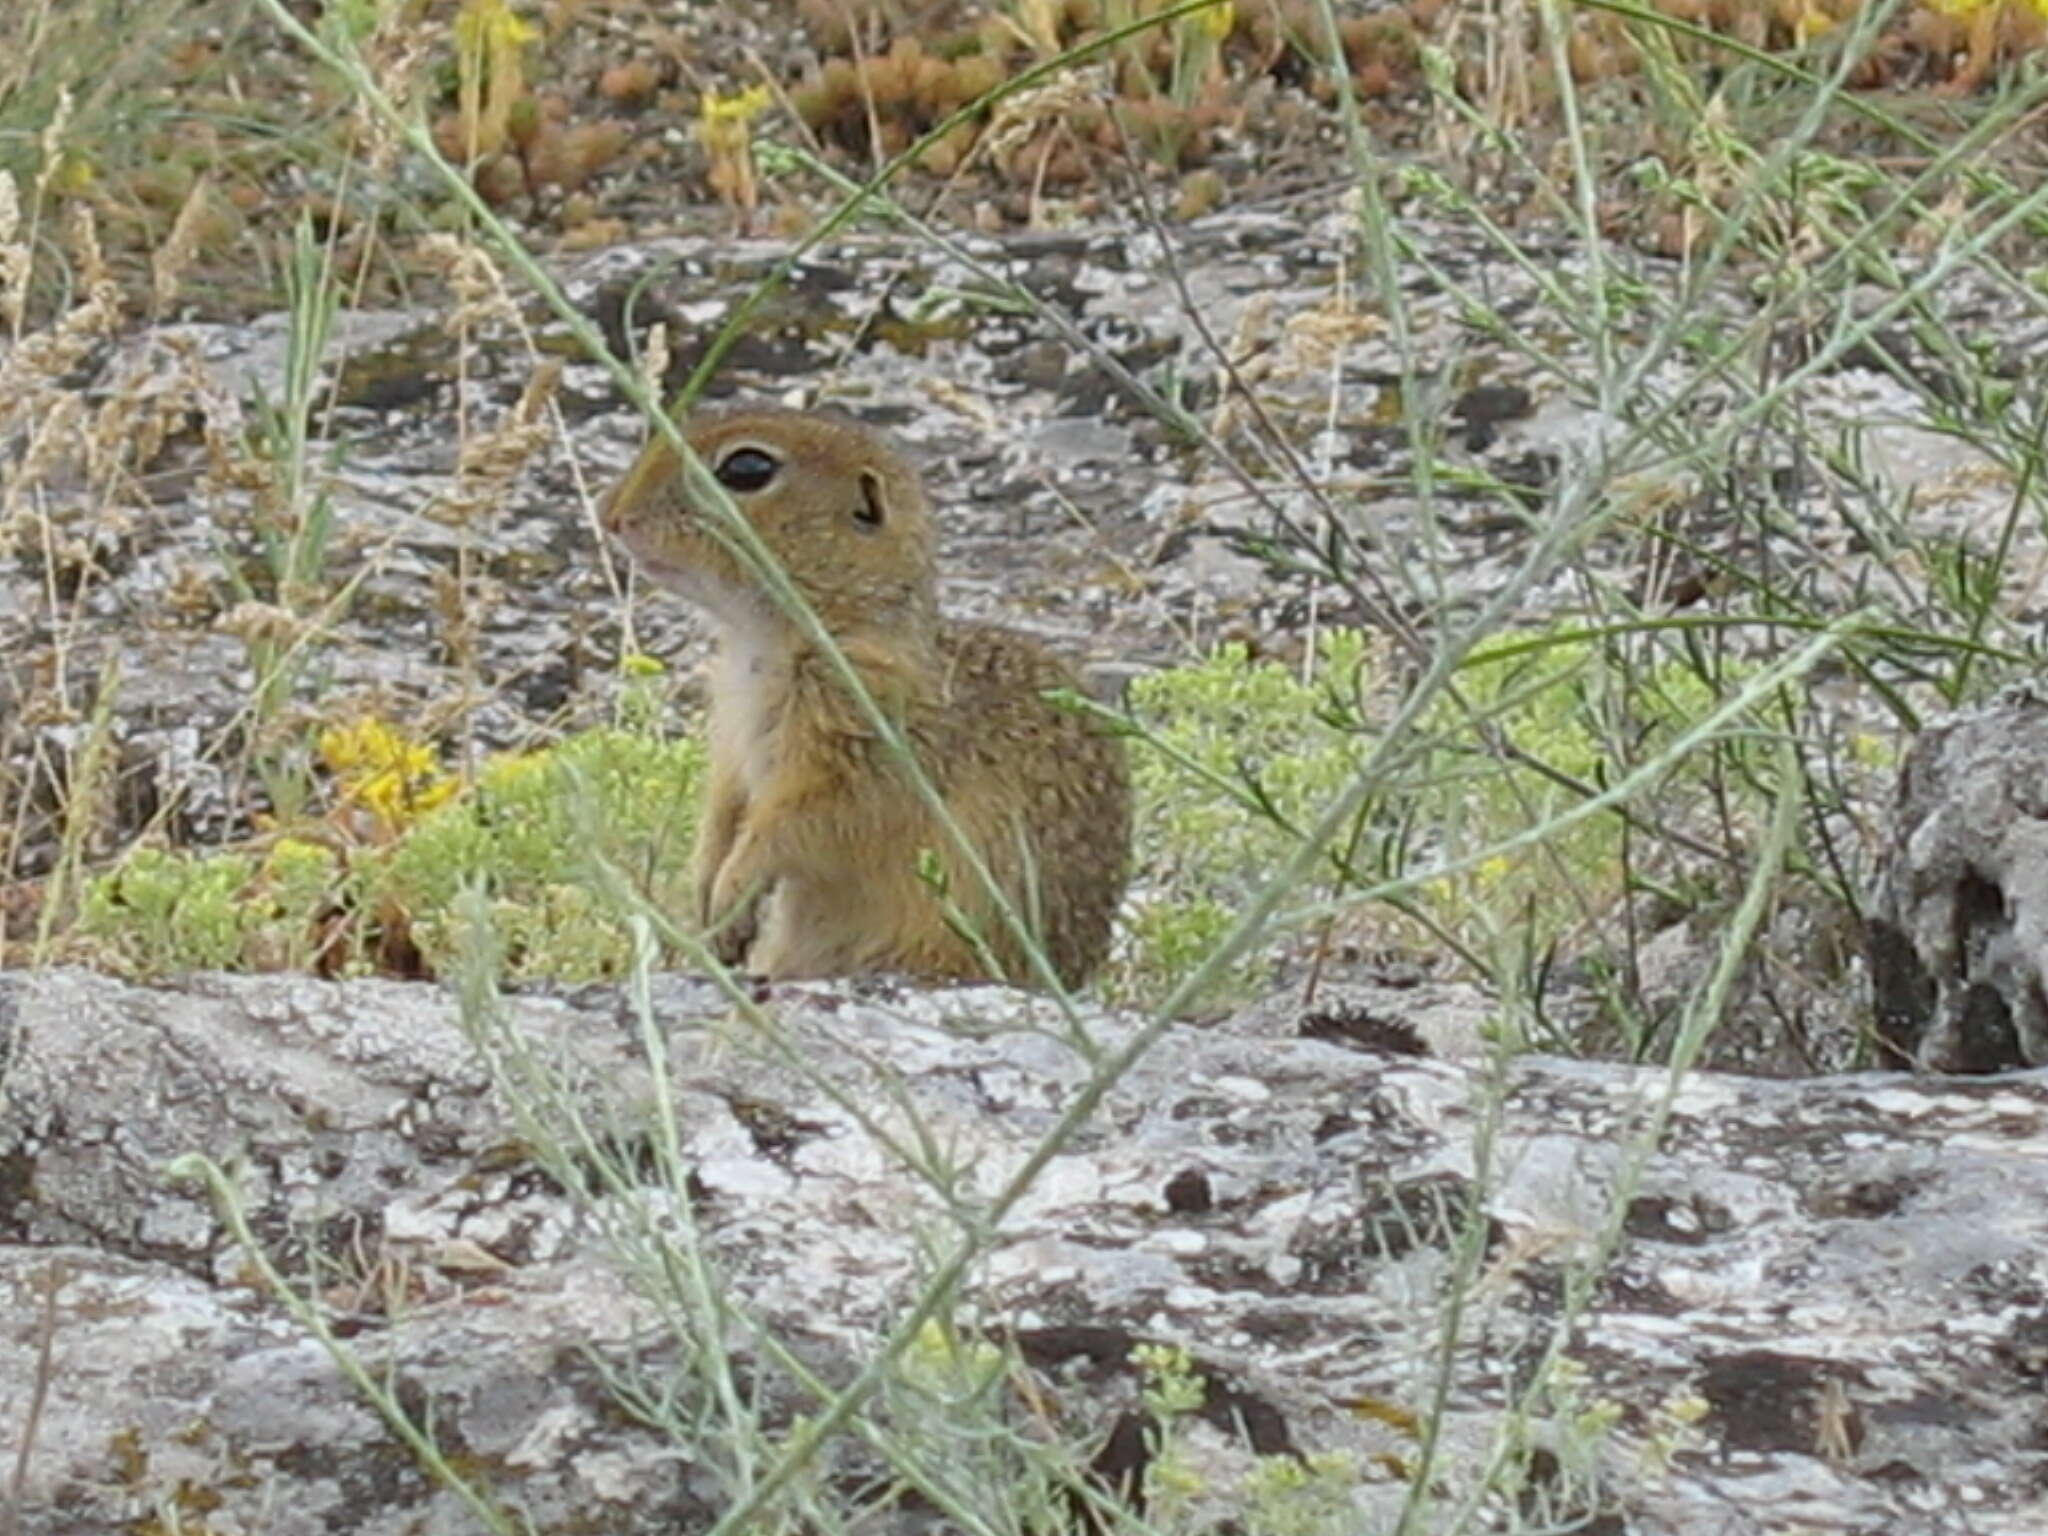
[746,469]
[869,513]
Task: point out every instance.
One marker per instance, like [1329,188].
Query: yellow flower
[745,107]
[490,76]
[722,121]
[74,174]
[345,748]
[398,780]
[492,27]
[724,128]
[1219,18]
[1814,22]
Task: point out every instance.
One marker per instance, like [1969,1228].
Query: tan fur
[808,852]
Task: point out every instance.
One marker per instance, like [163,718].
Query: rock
[1958,930]
[1815,1304]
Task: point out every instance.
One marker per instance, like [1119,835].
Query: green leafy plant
[1562,714]
[283,602]
[163,911]
[525,832]
[1236,756]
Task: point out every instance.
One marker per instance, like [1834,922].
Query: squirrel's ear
[872,511]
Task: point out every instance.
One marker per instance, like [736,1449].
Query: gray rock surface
[1816,1305]
[1958,932]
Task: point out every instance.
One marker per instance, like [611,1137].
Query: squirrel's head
[843,513]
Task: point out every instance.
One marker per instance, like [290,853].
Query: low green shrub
[528,831]
[1234,758]
[1237,757]
[161,911]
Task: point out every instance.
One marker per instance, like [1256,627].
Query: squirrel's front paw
[732,918]
[734,935]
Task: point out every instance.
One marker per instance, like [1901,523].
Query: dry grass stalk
[15,261]
[139,416]
[49,355]
[396,54]
[56,440]
[478,285]
[654,358]
[55,1277]
[51,143]
[170,261]
[1018,119]
[21,43]
[491,460]
[87,778]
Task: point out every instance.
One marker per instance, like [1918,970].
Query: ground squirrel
[810,849]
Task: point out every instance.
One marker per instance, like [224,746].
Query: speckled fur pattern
[809,852]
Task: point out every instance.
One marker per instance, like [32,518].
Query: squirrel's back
[1043,788]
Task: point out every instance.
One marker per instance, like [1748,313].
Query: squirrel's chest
[785,730]
[749,715]
[767,726]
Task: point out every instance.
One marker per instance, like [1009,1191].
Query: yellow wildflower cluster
[725,129]
[490,39]
[1962,10]
[722,120]
[396,779]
